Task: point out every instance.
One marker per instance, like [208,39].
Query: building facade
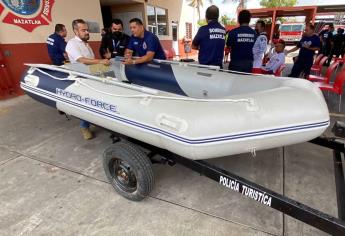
[26,24]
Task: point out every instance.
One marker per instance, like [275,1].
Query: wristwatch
[133,62]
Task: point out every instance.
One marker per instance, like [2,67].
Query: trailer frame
[258,193]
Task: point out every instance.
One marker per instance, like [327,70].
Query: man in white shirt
[79,51]
[276,60]
[260,45]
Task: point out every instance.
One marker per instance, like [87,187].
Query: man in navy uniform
[307,46]
[338,43]
[210,39]
[329,44]
[56,45]
[143,44]
[114,43]
[326,37]
[241,41]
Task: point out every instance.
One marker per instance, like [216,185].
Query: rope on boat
[250,101]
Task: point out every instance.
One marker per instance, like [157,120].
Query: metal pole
[339,183]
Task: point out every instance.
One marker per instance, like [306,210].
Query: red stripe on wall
[15,55]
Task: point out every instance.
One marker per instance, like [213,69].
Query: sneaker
[86,133]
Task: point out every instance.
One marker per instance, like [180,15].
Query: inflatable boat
[194,111]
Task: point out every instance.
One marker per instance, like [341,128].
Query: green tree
[224,19]
[241,3]
[278,3]
[198,4]
[202,22]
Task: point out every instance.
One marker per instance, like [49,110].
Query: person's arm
[279,61]
[89,61]
[321,36]
[62,48]
[147,58]
[332,40]
[128,54]
[228,41]
[315,46]
[152,44]
[104,49]
[292,50]
[260,46]
[130,49]
[311,48]
[196,40]
[75,55]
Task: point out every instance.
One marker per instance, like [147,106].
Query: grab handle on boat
[32,80]
[171,122]
[252,105]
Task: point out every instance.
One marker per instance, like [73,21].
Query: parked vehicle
[291,32]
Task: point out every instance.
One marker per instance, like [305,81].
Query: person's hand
[128,56]
[104,62]
[107,55]
[305,46]
[128,61]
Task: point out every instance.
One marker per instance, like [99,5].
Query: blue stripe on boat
[176,137]
[154,75]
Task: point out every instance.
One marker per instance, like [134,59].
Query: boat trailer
[128,167]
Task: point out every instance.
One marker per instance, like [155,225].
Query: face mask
[117,34]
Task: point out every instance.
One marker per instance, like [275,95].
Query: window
[188,30]
[93,27]
[297,28]
[151,17]
[285,28]
[157,20]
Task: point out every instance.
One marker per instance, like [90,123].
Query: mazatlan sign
[27,14]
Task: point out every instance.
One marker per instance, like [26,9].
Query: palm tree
[241,3]
[224,19]
[197,4]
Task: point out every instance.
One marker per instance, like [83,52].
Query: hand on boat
[107,55]
[105,62]
[128,61]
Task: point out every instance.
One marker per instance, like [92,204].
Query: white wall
[64,12]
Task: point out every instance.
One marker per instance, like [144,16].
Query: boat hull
[291,113]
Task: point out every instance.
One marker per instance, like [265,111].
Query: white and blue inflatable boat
[195,112]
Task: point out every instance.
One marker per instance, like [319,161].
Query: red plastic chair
[318,59]
[328,75]
[280,70]
[173,53]
[168,54]
[336,87]
[226,54]
[340,60]
[318,68]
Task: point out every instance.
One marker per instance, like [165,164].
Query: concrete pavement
[52,183]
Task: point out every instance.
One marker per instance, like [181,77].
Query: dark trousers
[300,66]
[329,54]
[242,66]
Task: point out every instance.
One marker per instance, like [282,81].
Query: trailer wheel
[128,170]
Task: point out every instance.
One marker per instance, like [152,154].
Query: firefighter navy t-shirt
[150,42]
[311,41]
[241,40]
[56,48]
[211,42]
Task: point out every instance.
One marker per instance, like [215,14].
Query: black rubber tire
[138,165]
